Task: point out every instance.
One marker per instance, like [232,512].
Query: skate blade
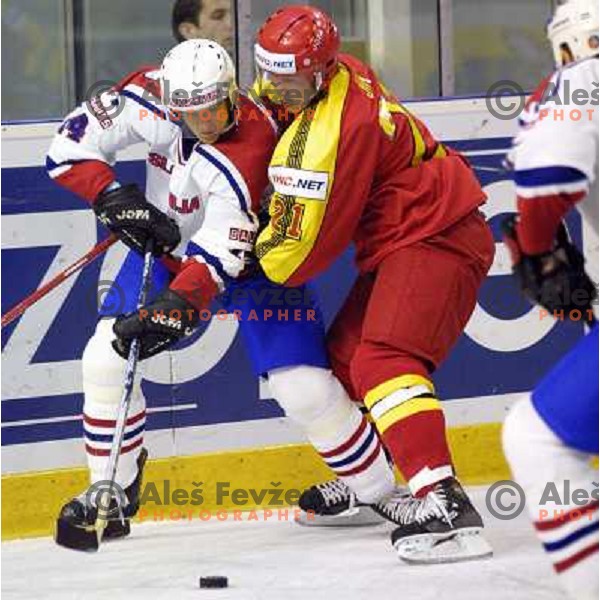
[359,516]
[435,548]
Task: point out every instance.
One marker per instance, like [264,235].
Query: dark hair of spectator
[184,11]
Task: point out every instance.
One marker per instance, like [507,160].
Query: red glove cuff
[539,219]
[195,283]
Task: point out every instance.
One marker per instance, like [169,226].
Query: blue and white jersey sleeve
[225,238]
[100,127]
[556,150]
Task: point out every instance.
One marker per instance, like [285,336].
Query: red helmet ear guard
[299,39]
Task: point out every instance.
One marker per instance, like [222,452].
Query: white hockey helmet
[574,25]
[197,74]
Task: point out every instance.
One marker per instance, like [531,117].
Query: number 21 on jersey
[286,217]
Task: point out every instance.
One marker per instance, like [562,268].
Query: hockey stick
[85,260]
[105,494]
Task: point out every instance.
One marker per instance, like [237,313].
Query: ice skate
[333,504]
[77,518]
[441,527]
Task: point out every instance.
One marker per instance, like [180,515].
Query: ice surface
[275,560]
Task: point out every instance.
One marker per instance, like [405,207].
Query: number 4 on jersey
[74,128]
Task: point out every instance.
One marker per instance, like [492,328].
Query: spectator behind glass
[210,19]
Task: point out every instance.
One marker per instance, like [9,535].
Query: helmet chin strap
[318,84]
[318,81]
[233,118]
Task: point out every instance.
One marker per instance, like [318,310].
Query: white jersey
[556,150]
[212,192]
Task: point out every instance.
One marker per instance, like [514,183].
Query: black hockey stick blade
[73,537]
[85,538]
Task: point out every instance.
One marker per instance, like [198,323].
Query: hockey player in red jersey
[355,165]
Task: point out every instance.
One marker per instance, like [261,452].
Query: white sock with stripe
[103,377]
[550,472]
[353,451]
[336,428]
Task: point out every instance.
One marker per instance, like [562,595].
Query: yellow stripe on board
[31,501]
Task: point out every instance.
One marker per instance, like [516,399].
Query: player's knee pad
[312,396]
[525,436]
[545,468]
[536,455]
[103,369]
[336,428]
[101,364]
[103,381]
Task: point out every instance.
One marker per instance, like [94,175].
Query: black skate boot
[334,504]
[75,526]
[441,527]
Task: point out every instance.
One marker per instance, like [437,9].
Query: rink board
[208,416]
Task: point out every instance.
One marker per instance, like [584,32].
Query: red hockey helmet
[298,39]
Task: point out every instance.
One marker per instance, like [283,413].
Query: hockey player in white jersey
[550,436]
[201,205]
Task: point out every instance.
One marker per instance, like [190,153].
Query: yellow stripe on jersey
[256,91]
[263,89]
[412,407]
[307,149]
[440,151]
[391,105]
[419,141]
[399,398]
[388,387]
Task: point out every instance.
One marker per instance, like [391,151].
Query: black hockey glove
[159,325]
[127,213]
[555,280]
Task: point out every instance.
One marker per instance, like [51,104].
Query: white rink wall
[208,415]
[41,353]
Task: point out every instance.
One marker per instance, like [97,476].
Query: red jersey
[356,166]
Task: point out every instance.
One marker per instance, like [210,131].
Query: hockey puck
[215,581]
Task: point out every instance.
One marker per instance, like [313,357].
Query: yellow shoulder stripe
[420,147]
[440,151]
[256,89]
[305,157]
